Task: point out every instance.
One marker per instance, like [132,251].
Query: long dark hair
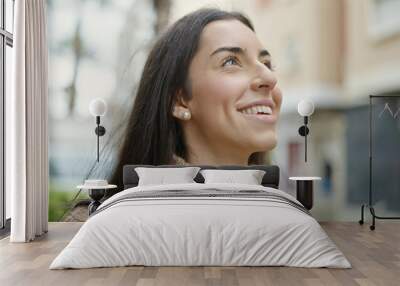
[153,135]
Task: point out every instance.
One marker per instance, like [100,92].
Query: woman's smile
[260,118]
[261,111]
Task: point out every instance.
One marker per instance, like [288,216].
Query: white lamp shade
[98,107]
[305,107]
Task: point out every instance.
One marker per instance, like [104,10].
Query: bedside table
[96,193]
[304,190]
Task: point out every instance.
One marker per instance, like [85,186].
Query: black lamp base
[303,130]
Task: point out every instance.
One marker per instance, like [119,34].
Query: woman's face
[230,72]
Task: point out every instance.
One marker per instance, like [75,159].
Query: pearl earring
[186,115]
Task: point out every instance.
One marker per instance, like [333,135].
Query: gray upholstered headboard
[270,179]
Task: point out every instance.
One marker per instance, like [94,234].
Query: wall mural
[97,49]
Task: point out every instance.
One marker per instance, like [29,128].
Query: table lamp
[305,108]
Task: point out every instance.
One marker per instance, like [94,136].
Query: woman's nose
[264,79]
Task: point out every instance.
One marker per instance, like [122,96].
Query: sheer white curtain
[26,119]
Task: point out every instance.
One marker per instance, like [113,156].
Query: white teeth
[256,109]
[267,110]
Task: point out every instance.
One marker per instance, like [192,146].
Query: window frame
[6,39]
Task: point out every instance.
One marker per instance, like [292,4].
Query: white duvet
[200,231]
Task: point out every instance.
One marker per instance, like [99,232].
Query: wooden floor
[374,255]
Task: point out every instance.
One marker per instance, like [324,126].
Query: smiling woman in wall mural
[207,95]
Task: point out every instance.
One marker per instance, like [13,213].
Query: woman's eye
[230,61]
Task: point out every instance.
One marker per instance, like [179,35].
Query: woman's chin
[266,144]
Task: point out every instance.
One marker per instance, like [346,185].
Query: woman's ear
[180,105]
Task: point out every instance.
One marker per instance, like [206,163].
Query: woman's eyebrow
[239,50]
[236,50]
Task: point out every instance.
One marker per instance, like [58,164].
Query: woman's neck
[202,150]
[210,158]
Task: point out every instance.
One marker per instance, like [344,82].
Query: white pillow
[162,176]
[249,177]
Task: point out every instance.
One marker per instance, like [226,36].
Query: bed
[201,224]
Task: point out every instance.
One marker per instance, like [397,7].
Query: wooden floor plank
[374,255]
